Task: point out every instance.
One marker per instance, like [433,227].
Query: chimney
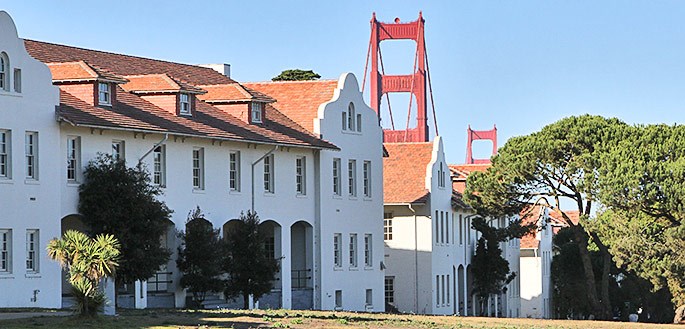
[224,69]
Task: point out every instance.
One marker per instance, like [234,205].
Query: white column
[286,267]
[489,304]
[496,305]
[466,296]
[140,297]
[108,287]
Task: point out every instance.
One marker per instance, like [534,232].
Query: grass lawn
[301,319]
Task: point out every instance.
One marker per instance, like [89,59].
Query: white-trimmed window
[5,154]
[337,176]
[5,251]
[31,153]
[338,300]
[257,111]
[369,297]
[387,226]
[159,165]
[184,104]
[359,123]
[351,117]
[4,71]
[198,168]
[390,290]
[352,177]
[337,250]
[353,249]
[368,250]
[32,249]
[104,93]
[234,170]
[269,167]
[73,157]
[17,80]
[300,175]
[118,150]
[344,121]
[366,182]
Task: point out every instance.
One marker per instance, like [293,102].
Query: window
[442,289]
[4,72]
[5,154]
[442,227]
[269,174]
[441,176]
[338,299]
[104,94]
[184,104]
[437,228]
[336,176]
[437,290]
[359,122]
[461,230]
[159,166]
[270,247]
[118,150]
[390,290]
[32,250]
[300,175]
[352,177]
[368,256]
[387,226]
[73,157]
[234,171]
[198,169]
[344,121]
[31,151]
[351,117]
[367,178]
[5,251]
[448,289]
[17,80]
[337,250]
[369,297]
[353,249]
[257,112]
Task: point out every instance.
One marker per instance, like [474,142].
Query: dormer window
[104,94]
[4,72]
[184,104]
[257,109]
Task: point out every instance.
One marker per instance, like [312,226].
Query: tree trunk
[606,268]
[590,283]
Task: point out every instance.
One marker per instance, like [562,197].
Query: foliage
[250,269]
[199,257]
[491,271]
[121,201]
[643,186]
[562,161]
[296,75]
[86,261]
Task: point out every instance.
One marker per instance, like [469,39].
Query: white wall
[27,203]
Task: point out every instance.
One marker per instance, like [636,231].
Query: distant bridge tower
[473,135]
[414,83]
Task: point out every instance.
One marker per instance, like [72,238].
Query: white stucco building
[313,175]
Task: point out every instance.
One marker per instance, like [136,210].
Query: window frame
[368,250]
[198,168]
[73,158]
[352,177]
[5,154]
[4,72]
[351,117]
[32,250]
[337,177]
[184,104]
[389,282]
[353,254]
[387,226]
[301,175]
[17,80]
[269,171]
[159,166]
[31,154]
[106,92]
[5,251]
[257,112]
[366,178]
[337,250]
[234,171]
[119,151]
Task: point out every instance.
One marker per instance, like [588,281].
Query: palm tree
[87,261]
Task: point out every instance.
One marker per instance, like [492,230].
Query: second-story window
[118,150]
[184,104]
[352,177]
[198,169]
[234,171]
[337,176]
[337,250]
[387,226]
[367,179]
[300,175]
[159,166]
[104,94]
[353,249]
[257,111]
[17,80]
[73,157]
[351,117]
[269,174]
[368,250]
[31,152]
[4,72]
[5,154]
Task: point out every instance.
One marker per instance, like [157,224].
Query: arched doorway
[301,262]
[272,232]
[70,222]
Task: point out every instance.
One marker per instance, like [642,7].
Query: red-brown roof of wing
[404,172]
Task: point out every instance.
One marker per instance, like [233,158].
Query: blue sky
[517,64]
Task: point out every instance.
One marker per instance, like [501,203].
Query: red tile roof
[298,100]
[234,92]
[462,171]
[158,83]
[404,172]
[124,64]
[530,215]
[81,71]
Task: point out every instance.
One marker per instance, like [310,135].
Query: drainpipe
[416,261]
[252,177]
[166,136]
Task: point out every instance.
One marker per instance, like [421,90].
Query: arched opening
[272,245]
[161,282]
[301,262]
[4,72]
[70,222]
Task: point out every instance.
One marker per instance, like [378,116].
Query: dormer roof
[80,71]
[158,84]
[233,93]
